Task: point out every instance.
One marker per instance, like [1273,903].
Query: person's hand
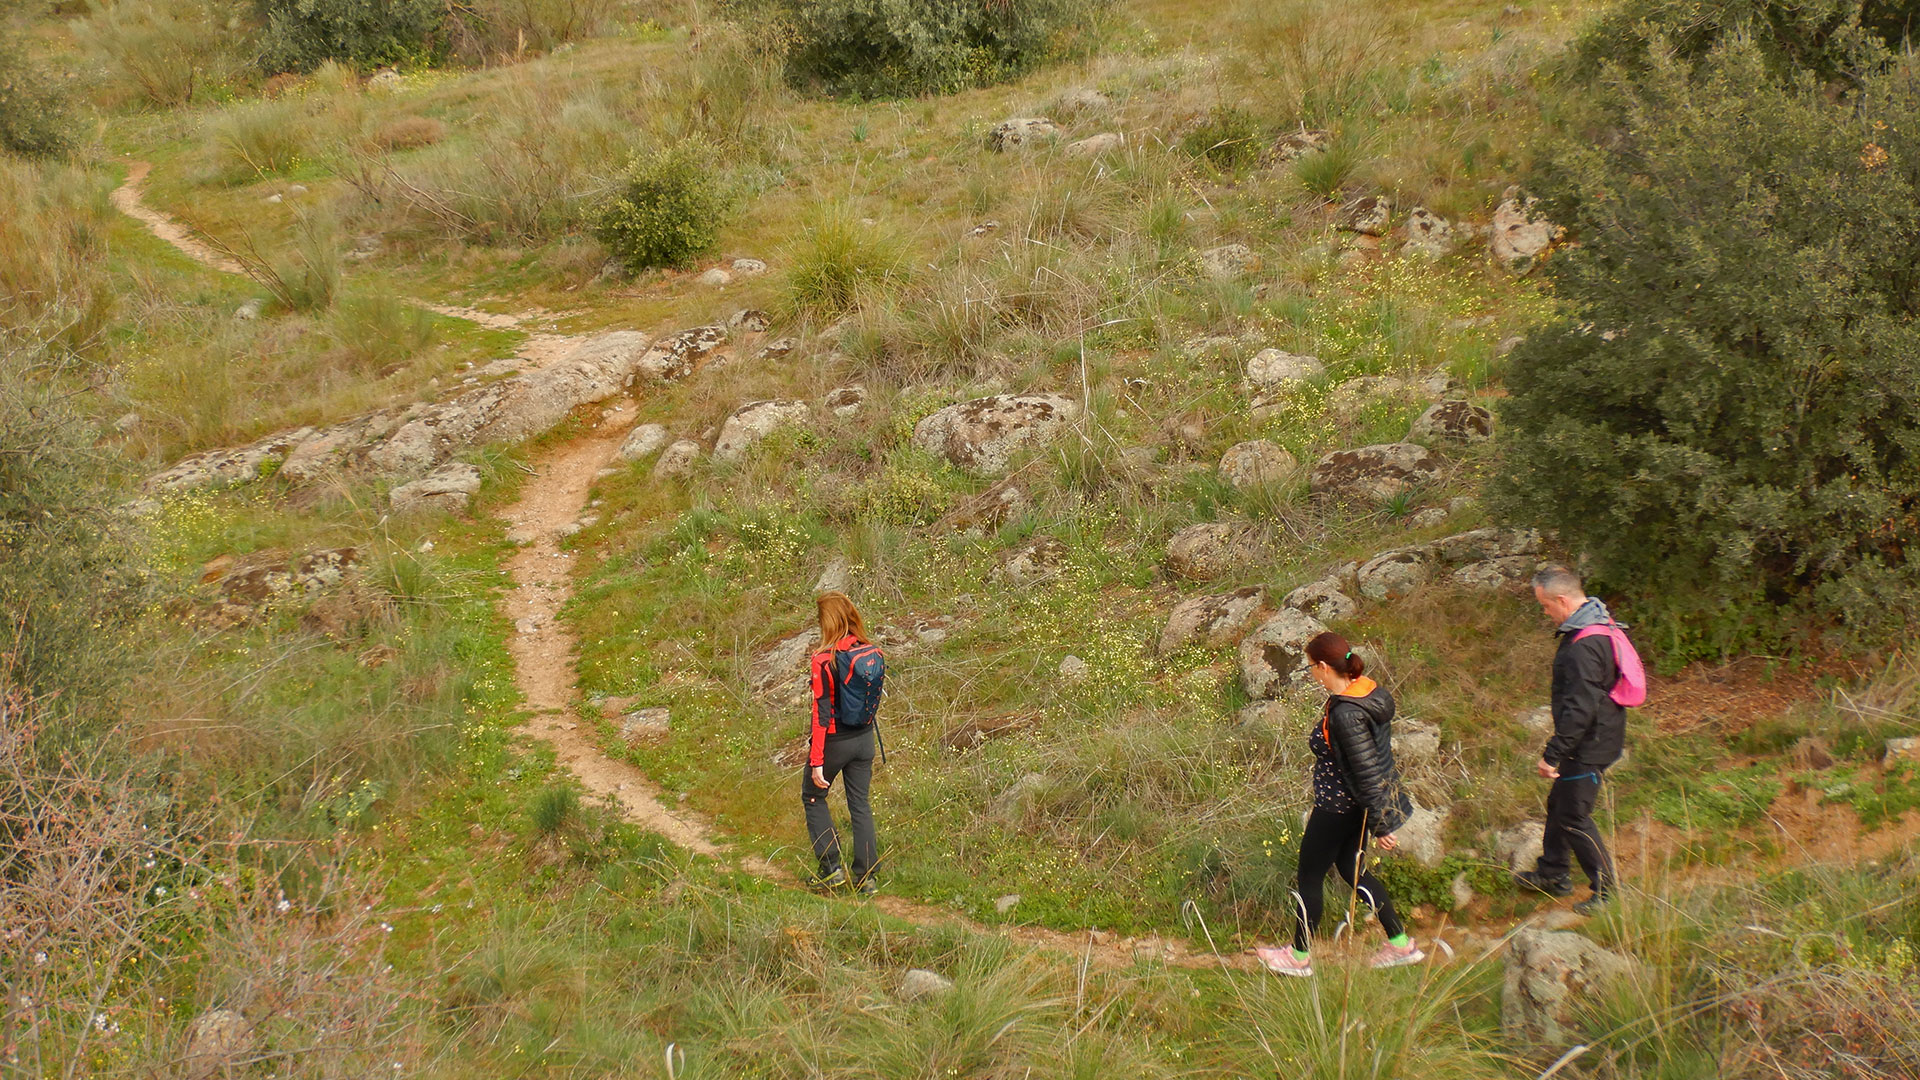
[819,777]
[1548,772]
[1388,843]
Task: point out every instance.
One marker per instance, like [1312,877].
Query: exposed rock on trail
[982,435]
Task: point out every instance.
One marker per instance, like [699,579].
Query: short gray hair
[1557,580]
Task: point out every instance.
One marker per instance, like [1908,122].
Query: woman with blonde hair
[845,684]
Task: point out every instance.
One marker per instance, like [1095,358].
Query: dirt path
[543,648]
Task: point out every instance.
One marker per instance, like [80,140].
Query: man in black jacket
[1589,730]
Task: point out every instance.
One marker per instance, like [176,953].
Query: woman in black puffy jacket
[1356,793]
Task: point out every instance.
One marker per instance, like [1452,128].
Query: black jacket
[1359,732]
[1589,727]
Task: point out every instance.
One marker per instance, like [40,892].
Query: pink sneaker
[1391,955]
[1281,961]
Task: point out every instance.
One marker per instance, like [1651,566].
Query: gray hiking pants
[849,757]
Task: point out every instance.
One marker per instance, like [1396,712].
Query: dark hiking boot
[830,882]
[869,887]
[1552,886]
[1594,905]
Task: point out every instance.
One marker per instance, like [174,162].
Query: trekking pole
[880,740]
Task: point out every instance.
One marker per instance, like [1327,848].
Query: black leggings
[1332,841]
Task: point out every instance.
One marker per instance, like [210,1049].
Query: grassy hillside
[323,811]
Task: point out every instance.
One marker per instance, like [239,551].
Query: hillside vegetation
[424,430]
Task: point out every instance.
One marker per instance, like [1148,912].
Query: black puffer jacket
[1589,727]
[1359,733]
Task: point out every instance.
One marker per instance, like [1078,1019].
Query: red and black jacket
[825,679]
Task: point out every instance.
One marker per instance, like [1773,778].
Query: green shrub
[1831,38]
[507,28]
[1724,418]
[1229,138]
[895,48]
[34,114]
[301,34]
[666,210]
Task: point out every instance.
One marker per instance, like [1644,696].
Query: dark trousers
[1332,842]
[850,758]
[1570,829]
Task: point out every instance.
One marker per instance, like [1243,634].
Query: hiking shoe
[1555,887]
[1281,961]
[1391,955]
[835,880]
[869,887]
[1594,904]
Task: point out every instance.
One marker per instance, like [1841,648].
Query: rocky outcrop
[251,586]
[1274,657]
[1428,234]
[753,422]
[1036,560]
[1453,422]
[1519,239]
[1212,621]
[845,401]
[1518,847]
[780,671]
[1022,133]
[1213,550]
[643,442]
[1257,463]
[1423,837]
[1273,369]
[1496,573]
[1368,215]
[1377,473]
[677,460]
[983,435]
[1326,600]
[680,355]
[1391,575]
[1550,977]
[449,488]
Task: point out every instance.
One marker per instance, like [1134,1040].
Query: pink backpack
[1631,690]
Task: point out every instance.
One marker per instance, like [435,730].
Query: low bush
[35,118]
[166,51]
[302,34]
[258,140]
[1228,138]
[1723,419]
[666,209]
[408,133]
[374,331]
[1833,39]
[895,48]
[510,28]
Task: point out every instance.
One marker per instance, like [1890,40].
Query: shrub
[301,34]
[1834,39]
[510,27]
[258,140]
[894,48]
[1723,420]
[34,118]
[165,50]
[408,133]
[1229,138]
[372,331]
[666,209]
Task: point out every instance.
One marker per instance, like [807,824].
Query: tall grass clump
[508,29]
[53,229]
[1323,60]
[259,140]
[898,48]
[665,209]
[1228,137]
[1325,173]
[166,51]
[373,331]
[840,261]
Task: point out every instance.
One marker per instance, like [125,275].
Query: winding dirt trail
[543,647]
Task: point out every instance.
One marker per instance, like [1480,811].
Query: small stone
[1453,422]
[274,198]
[837,576]
[748,267]
[1537,721]
[1462,892]
[749,320]
[677,459]
[1272,369]
[778,348]
[1368,215]
[1416,744]
[218,1043]
[1095,145]
[643,441]
[449,488]
[250,310]
[715,278]
[1007,903]
[1422,837]
[920,983]
[297,189]
[645,725]
[1021,133]
[1074,669]
[1324,600]
[1257,463]
[983,229]
[1213,550]
[1228,261]
[754,422]
[1517,847]
[1427,517]
[127,422]
[1212,621]
[1428,234]
[1391,575]
[846,400]
[1297,144]
[1519,239]
[1905,748]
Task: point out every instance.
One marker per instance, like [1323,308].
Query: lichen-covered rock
[219,1043]
[1257,463]
[1275,656]
[1368,215]
[1428,234]
[753,422]
[1517,847]
[1374,472]
[237,465]
[449,488]
[677,356]
[1905,748]
[780,671]
[1273,369]
[1295,145]
[747,267]
[983,435]
[749,321]
[645,725]
[1021,133]
[1496,573]
[1212,621]
[1416,744]
[676,460]
[1036,560]
[1481,544]
[643,442]
[1095,145]
[845,400]
[1391,575]
[1551,977]
[1325,600]
[1228,261]
[1453,422]
[1423,837]
[1213,550]
[987,511]
[1518,238]
[1352,395]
